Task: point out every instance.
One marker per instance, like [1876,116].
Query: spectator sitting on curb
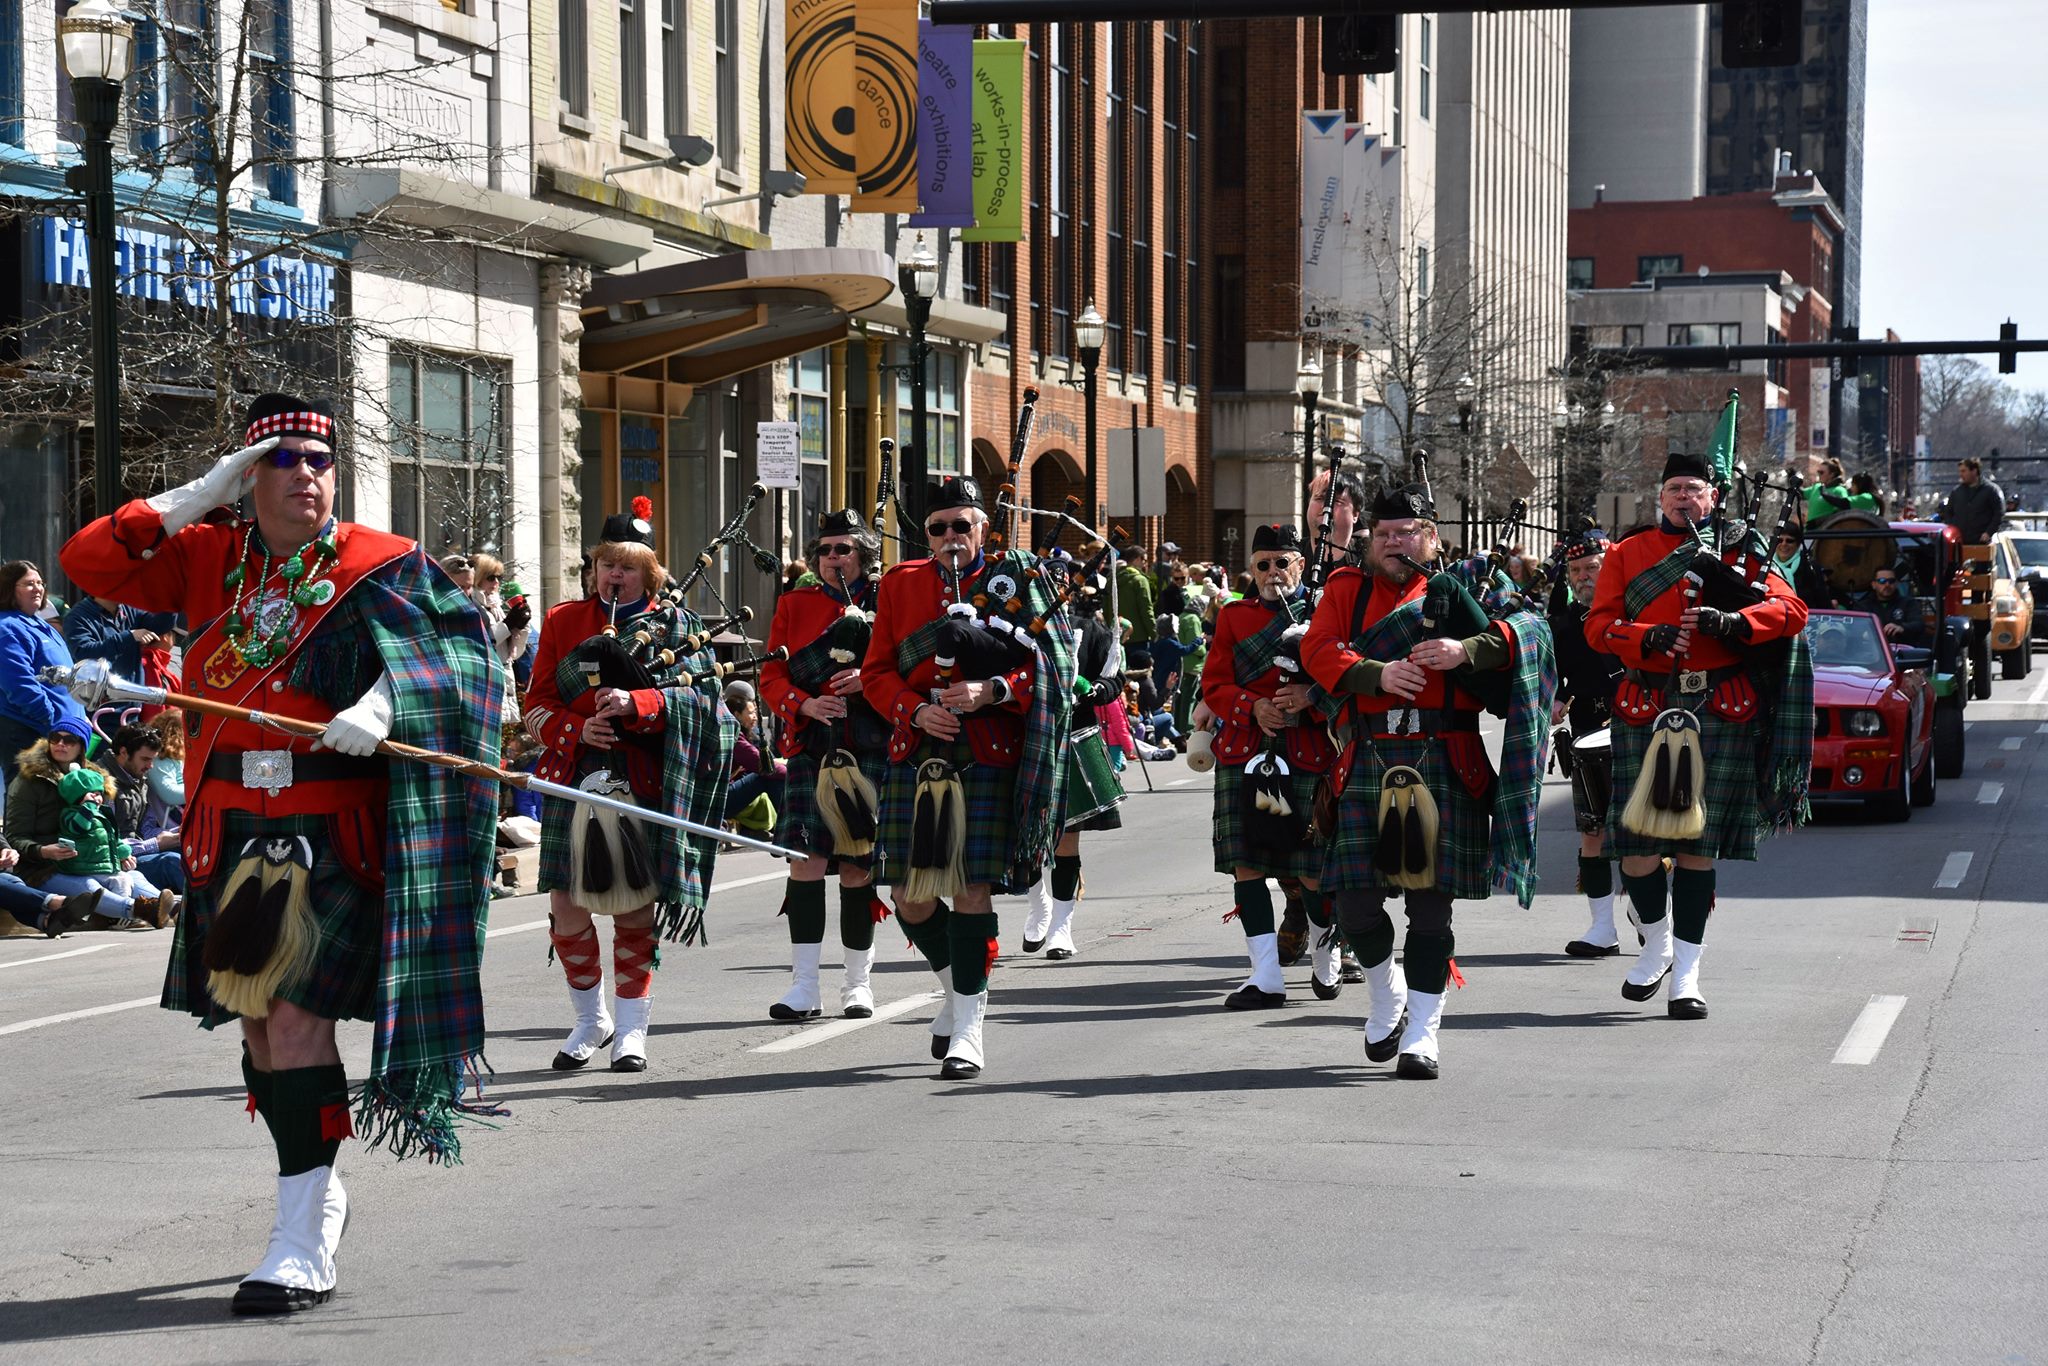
[26,913]
[29,707]
[100,628]
[100,854]
[166,807]
[35,824]
[135,754]
[755,779]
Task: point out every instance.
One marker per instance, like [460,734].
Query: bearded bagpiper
[970,670]
[1585,703]
[1271,750]
[327,883]
[1422,812]
[1713,720]
[614,728]
[838,753]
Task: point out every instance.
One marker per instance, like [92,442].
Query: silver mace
[95,685]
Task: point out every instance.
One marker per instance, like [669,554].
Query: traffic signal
[1760,33]
[2008,361]
[1361,44]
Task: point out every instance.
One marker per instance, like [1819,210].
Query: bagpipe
[1001,523]
[847,801]
[644,652]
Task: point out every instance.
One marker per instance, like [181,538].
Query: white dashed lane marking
[823,1032]
[53,957]
[1989,794]
[1866,1036]
[1954,869]
[38,1023]
[2012,742]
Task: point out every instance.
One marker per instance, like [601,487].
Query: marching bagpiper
[609,728]
[976,683]
[327,883]
[1271,749]
[838,753]
[1421,811]
[1713,722]
[1585,702]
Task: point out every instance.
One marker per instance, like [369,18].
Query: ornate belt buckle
[1407,721]
[267,770]
[1692,680]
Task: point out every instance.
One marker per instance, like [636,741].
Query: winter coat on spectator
[35,812]
[92,632]
[89,824]
[28,645]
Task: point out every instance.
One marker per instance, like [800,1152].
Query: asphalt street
[1845,1164]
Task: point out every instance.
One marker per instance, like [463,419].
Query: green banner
[998,141]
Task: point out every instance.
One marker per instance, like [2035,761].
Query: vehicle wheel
[1948,740]
[1923,786]
[1896,805]
[2013,663]
[1980,669]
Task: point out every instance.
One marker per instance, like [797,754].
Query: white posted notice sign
[778,458]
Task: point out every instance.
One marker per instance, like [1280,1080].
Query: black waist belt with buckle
[1688,681]
[1428,721]
[321,767]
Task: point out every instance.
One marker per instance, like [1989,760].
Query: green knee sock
[1317,908]
[804,903]
[1254,906]
[929,937]
[1596,876]
[973,939]
[1692,901]
[260,1088]
[1066,876]
[1426,961]
[1646,894]
[312,1116]
[856,916]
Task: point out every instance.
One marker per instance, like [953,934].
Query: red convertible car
[1873,716]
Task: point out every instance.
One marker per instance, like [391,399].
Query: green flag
[1722,456]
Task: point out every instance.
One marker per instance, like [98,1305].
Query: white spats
[856,995]
[1425,1013]
[942,1023]
[964,1054]
[1651,963]
[299,1257]
[1685,971]
[800,1002]
[630,1042]
[1059,937]
[1326,955]
[1389,998]
[1038,919]
[1601,933]
[593,1027]
[1264,951]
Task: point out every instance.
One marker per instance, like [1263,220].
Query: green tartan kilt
[990,820]
[342,984]
[801,827]
[1464,836]
[556,817]
[1227,832]
[1729,794]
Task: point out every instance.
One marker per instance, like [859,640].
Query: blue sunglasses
[317,461]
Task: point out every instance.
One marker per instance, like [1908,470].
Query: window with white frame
[810,408]
[572,55]
[273,138]
[726,33]
[174,88]
[448,433]
[633,68]
[1423,63]
[11,69]
[941,409]
[675,68]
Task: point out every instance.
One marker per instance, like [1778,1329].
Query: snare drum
[1592,779]
[1092,786]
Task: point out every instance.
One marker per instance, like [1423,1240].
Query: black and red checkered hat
[287,415]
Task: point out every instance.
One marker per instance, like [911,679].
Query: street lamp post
[1308,383]
[1563,423]
[1466,391]
[918,277]
[98,44]
[1089,331]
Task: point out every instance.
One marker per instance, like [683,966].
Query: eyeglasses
[317,461]
[1882,581]
[959,526]
[1268,566]
[833,552]
[66,739]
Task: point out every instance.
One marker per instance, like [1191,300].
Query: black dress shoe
[1249,997]
[1032,946]
[1579,948]
[1643,993]
[1060,954]
[1386,1048]
[1325,991]
[959,1069]
[779,1011]
[565,1063]
[858,1013]
[267,1297]
[1415,1067]
[940,1043]
[629,1064]
[1686,1008]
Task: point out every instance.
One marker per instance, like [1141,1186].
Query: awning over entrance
[724,315]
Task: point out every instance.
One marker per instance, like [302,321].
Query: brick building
[1113,130]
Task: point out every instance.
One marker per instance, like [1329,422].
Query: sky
[1955,172]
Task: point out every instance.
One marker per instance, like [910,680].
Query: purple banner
[945,127]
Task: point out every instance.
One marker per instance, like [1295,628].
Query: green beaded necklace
[301,579]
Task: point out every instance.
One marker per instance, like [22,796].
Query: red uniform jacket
[1327,653]
[801,617]
[912,594]
[1305,744]
[128,558]
[559,725]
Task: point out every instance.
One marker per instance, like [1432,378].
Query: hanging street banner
[1322,218]
[818,92]
[945,118]
[885,106]
[998,141]
[1374,241]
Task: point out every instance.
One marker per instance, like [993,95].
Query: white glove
[223,484]
[359,729]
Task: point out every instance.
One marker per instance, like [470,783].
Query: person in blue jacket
[115,632]
[29,707]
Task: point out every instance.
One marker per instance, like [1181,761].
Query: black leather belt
[262,769]
[1428,721]
[1689,680]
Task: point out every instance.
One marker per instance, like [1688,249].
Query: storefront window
[942,409]
[810,409]
[35,500]
[448,450]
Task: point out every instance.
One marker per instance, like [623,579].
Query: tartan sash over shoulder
[446,694]
[1256,651]
[1525,743]
[696,756]
[1659,579]
[1041,772]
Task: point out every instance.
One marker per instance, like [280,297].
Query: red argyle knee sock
[632,961]
[580,958]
